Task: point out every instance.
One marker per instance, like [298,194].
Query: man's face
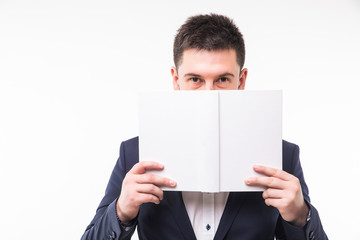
[209,70]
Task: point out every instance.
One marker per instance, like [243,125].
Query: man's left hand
[282,191]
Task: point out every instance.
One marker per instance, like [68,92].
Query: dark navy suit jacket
[245,215]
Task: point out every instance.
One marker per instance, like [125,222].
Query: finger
[273,193]
[272,172]
[142,167]
[275,202]
[145,198]
[150,189]
[268,182]
[155,179]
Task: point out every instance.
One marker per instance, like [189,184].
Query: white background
[70,72]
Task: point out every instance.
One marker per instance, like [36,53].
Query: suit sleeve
[105,224]
[313,229]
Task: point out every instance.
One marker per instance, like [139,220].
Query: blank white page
[180,130]
[250,133]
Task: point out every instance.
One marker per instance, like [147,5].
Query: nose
[209,85]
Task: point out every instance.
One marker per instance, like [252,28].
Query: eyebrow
[191,75]
[198,75]
[226,74]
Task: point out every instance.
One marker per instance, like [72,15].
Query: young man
[209,54]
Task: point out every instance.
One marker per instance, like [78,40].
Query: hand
[140,187]
[283,191]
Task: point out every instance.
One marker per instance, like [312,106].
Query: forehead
[194,60]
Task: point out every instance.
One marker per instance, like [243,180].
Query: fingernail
[249,180]
[172,183]
[256,167]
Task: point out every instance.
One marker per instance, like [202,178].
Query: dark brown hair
[209,32]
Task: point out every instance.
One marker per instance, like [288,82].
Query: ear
[242,79]
[175,78]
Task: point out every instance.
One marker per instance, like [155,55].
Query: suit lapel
[232,207]
[177,208]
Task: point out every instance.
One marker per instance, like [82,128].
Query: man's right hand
[140,187]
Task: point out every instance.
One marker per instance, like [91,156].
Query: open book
[208,141]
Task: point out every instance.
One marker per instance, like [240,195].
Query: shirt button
[208,227]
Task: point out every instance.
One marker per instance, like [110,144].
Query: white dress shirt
[205,211]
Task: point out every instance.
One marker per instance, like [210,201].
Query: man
[209,54]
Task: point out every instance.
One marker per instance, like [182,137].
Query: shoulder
[129,153]
[288,147]
[290,154]
[131,144]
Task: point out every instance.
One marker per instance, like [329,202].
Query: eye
[223,79]
[195,79]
